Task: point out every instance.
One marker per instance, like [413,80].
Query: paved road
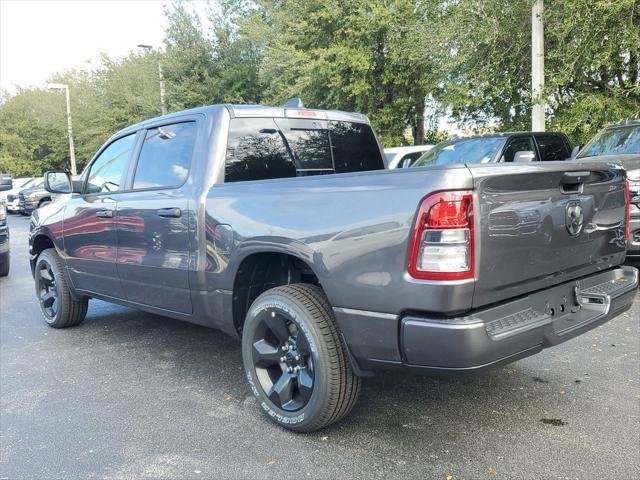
[132,395]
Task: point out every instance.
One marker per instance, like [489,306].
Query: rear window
[552,148]
[266,148]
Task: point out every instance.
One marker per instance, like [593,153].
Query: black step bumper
[507,332]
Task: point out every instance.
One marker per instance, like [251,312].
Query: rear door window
[256,151]
[165,157]
[552,148]
[266,148]
[518,144]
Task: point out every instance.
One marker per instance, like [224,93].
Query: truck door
[153,220]
[89,221]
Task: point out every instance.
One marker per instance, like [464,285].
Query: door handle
[170,212]
[104,214]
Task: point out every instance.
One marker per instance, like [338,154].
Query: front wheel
[57,305]
[294,360]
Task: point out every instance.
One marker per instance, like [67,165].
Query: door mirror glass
[57,182]
[524,156]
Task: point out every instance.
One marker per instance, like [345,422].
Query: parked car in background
[5,185]
[33,197]
[283,226]
[499,147]
[621,143]
[4,242]
[403,157]
[13,203]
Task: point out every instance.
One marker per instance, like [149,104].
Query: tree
[592,63]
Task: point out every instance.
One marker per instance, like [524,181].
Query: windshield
[471,150]
[24,183]
[613,141]
[36,183]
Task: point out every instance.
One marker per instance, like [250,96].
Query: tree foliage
[468,60]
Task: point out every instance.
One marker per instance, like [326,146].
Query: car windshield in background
[472,150]
[613,141]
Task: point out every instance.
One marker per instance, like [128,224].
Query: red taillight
[627,209]
[442,242]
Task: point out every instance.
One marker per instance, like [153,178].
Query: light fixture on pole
[163,108]
[72,150]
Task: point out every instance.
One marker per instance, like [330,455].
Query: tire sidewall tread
[335,386]
[71,312]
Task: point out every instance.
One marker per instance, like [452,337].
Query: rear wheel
[294,360]
[57,305]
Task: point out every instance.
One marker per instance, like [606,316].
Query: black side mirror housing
[58,182]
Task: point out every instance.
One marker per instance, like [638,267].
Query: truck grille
[21,200]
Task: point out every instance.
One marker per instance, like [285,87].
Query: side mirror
[524,156]
[57,182]
[575,151]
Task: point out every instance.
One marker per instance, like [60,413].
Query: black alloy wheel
[48,290]
[60,307]
[282,360]
[294,359]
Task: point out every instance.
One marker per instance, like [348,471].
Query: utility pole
[537,67]
[72,150]
[163,107]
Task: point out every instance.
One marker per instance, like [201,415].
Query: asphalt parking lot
[132,395]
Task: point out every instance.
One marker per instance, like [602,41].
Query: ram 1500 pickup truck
[282,226]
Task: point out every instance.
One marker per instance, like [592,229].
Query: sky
[40,37]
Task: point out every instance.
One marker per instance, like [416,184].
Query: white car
[11,196]
[403,157]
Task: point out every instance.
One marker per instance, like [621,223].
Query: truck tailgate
[543,224]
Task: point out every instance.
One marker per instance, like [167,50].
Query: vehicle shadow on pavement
[389,403]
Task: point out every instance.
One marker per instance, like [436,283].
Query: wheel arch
[39,242]
[259,271]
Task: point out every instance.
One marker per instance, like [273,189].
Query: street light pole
[72,150]
[163,107]
[537,67]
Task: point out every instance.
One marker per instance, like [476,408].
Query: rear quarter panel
[351,229]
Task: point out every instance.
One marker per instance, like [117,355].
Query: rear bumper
[500,334]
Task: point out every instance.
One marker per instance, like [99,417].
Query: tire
[5,264]
[44,202]
[323,389]
[57,305]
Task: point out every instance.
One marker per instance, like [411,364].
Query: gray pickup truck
[282,226]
